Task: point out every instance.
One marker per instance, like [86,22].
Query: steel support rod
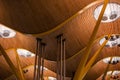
[64,60]
[42,60]
[61,57]
[39,60]
[35,64]
[57,68]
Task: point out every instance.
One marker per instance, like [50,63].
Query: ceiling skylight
[44,68]
[113,41]
[25,53]
[114,75]
[114,60]
[6,32]
[51,78]
[111,13]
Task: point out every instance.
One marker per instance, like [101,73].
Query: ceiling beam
[88,49]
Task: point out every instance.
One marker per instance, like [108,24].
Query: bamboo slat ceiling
[38,16]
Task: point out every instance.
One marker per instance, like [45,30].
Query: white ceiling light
[25,53]
[44,68]
[113,41]
[52,78]
[111,13]
[114,60]
[6,32]
[113,73]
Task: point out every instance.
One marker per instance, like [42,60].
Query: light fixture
[25,53]
[52,78]
[44,68]
[114,60]
[6,32]
[114,74]
[113,41]
[111,13]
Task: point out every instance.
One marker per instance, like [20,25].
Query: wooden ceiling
[39,16]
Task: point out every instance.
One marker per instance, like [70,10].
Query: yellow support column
[90,63]
[88,49]
[105,73]
[19,66]
[14,69]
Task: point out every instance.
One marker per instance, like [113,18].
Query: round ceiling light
[6,32]
[44,68]
[114,60]
[111,13]
[113,73]
[52,78]
[25,53]
[113,41]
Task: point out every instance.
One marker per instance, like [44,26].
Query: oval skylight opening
[25,53]
[111,13]
[44,68]
[113,73]
[6,32]
[113,41]
[52,78]
[114,60]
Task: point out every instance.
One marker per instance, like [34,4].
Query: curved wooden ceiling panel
[19,41]
[98,69]
[77,33]
[37,16]
[5,70]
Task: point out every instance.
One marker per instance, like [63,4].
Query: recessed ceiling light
[114,60]
[111,13]
[52,78]
[44,68]
[113,41]
[25,53]
[6,32]
[113,73]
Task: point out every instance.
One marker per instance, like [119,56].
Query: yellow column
[10,63]
[88,49]
[19,66]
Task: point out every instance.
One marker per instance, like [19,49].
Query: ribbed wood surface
[36,16]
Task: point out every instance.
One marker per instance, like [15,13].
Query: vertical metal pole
[43,55]
[39,59]
[64,62]
[61,57]
[35,73]
[58,49]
